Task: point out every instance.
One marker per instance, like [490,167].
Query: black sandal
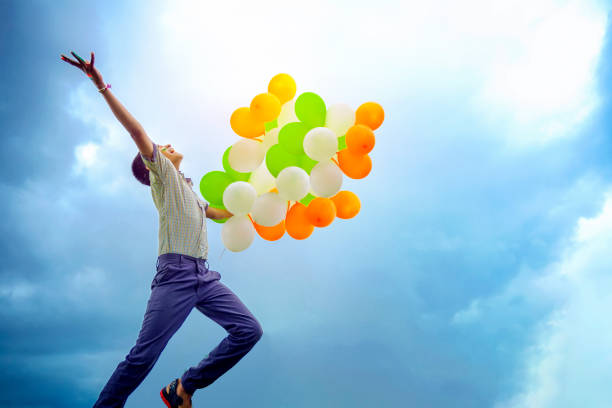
[171,399]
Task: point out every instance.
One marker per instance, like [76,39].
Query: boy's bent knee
[255,332]
[258,332]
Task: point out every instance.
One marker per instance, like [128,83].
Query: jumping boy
[182,280]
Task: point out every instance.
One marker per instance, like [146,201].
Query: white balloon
[320,143]
[287,114]
[246,155]
[270,138]
[239,197]
[261,179]
[311,191]
[326,179]
[237,233]
[269,209]
[339,118]
[292,183]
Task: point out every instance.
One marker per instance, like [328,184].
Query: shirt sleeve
[159,165]
[205,203]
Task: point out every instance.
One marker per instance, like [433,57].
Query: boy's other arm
[217,213]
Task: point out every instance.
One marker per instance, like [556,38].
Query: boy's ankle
[180,390]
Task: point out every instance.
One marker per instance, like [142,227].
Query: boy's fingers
[65,58]
[68,60]
[79,59]
[78,56]
[92,59]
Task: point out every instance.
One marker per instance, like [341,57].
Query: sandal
[171,399]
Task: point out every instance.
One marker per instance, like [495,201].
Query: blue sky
[477,273]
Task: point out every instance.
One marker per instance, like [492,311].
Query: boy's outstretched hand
[87,67]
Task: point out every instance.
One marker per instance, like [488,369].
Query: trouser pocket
[164,271]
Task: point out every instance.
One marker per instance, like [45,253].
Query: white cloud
[18,291]
[86,156]
[543,387]
[568,363]
[547,84]
[529,66]
[87,278]
[591,228]
[469,315]
[86,283]
[79,286]
[106,164]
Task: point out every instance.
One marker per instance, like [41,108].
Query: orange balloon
[272,233]
[360,139]
[296,222]
[321,211]
[245,124]
[347,204]
[265,107]
[354,166]
[370,114]
[283,86]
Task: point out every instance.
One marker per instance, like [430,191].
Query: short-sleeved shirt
[182,214]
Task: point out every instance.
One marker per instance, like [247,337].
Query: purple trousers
[181,283]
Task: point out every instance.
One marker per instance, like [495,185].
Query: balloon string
[334,160]
[251,218]
[260,141]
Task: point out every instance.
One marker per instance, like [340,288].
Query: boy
[183,280]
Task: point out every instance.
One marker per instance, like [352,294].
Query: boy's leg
[220,304]
[169,305]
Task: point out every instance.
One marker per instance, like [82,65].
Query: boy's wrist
[99,84]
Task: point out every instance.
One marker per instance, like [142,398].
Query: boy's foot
[176,388]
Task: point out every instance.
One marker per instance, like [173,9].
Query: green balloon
[306,200]
[278,158]
[271,125]
[291,137]
[212,186]
[307,163]
[236,175]
[342,142]
[310,109]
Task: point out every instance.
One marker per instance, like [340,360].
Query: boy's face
[170,153]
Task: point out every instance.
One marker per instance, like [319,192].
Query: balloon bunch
[285,173]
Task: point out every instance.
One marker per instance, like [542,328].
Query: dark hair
[140,171]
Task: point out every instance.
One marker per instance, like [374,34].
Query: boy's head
[140,169]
